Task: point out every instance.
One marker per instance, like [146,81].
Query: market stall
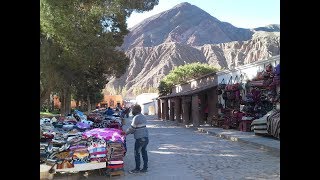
[250,106]
[74,145]
[268,82]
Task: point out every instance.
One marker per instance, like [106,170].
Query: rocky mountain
[186,24]
[186,34]
[269,28]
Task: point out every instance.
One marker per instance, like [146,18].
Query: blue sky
[240,13]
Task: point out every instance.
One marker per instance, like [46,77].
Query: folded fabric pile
[108,134]
[97,150]
[69,141]
[115,155]
[80,153]
[259,126]
[273,124]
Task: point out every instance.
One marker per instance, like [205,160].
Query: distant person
[141,135]
[123,113]
[128,111]
[109,112]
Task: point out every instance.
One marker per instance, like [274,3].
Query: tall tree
[86,32]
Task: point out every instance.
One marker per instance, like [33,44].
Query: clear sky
[240,13]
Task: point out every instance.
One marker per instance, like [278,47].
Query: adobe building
[112,101]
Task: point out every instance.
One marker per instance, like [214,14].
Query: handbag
[235,86]
[238,85]
[229,85]
[222,84]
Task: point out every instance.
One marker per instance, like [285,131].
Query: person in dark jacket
[109,112]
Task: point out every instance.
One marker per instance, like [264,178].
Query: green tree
[83,36]
[182,74]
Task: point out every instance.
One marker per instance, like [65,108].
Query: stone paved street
[176,152]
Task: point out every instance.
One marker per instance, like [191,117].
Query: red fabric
[115,166]
[245,126]
[96,153]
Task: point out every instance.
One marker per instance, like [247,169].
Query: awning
[186,93]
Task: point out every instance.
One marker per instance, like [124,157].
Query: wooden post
[177,109]
[186,110]
[212,100]
[162,110]
[166,109]
[195,110]
[202,107]
[159,108]
[172,107]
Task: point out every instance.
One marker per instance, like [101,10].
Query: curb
[270,149]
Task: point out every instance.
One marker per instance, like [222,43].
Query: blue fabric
[99,149]
[141,145]
[79,113]
[109,112]
[277,69]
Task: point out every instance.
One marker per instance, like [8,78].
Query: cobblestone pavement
[176,152]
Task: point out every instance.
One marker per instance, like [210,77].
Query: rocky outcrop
[148,65]
[186,34]
[186,24]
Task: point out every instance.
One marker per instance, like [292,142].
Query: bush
[182,74]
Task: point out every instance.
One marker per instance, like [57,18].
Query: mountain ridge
[186,34]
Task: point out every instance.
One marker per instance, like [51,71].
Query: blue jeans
[141,145]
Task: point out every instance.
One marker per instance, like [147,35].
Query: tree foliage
[78,42]
[182,74]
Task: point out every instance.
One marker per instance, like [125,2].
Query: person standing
[141,135]
[109,112]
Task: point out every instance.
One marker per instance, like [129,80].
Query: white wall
[145,108]
[145,98]
[248,71]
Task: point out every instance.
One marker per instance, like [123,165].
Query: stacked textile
[114,124]
[115,155]
[72,144]
[273,124]
[115,151]
[259,126]
[108,134]
[80,154]
[97,150]
[65,159]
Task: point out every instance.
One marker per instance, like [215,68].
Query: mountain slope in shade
[186,24]
[148,65]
